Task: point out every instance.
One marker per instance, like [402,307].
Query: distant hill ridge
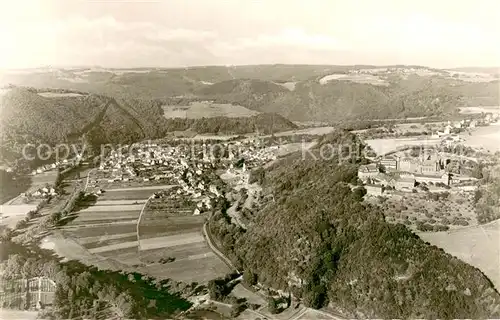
[408,91]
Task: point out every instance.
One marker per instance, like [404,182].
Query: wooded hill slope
[28,117]
[293,91]
[337,101]
[313,236]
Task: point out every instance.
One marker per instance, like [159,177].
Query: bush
[424,227]
[21,224]
[31,214]
[236,309]
[439,227]
[272,305]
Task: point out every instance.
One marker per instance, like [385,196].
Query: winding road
[215,250]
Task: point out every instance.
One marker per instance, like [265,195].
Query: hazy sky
[169,33]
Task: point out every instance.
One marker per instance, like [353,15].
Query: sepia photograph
[249,159]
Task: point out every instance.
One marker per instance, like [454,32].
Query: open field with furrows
[10,215]
[110,208]
[103,230]
[66,247]
[383,146]
[169,230]
[119,202]
[170,226]
[198,110]
[108,214]
[402,128]
[477,245]
[171,241]
[107,230]
[195,268]
[105,235]
[169,215]
[151,189]
[455,210]
[169,206]
[128,195]
[137,184]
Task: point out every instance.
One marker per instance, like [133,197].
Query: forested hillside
[338,101]
[28,117]
[313,236]
[262,88]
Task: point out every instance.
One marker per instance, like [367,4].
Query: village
[410,179]
[150,164]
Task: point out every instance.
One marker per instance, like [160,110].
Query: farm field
[135,195]
[485,109]
[311,314]
[105,233]
[477,246]
[288,148]
[484,138]
[240,291]
[41,179]
[136,183]
[200,269]
[57,95]
[358,78]
[18,314]
[10,215]
[145,188]
[383,146]
[68,249]
[474,76]
[198,110]
[290,85]
[312,131]
[455,210]
[169,230]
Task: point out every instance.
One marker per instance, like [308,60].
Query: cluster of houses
[404,173]
[186,167]
[43,192]
[62,165]
[154,162]
[451,129]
